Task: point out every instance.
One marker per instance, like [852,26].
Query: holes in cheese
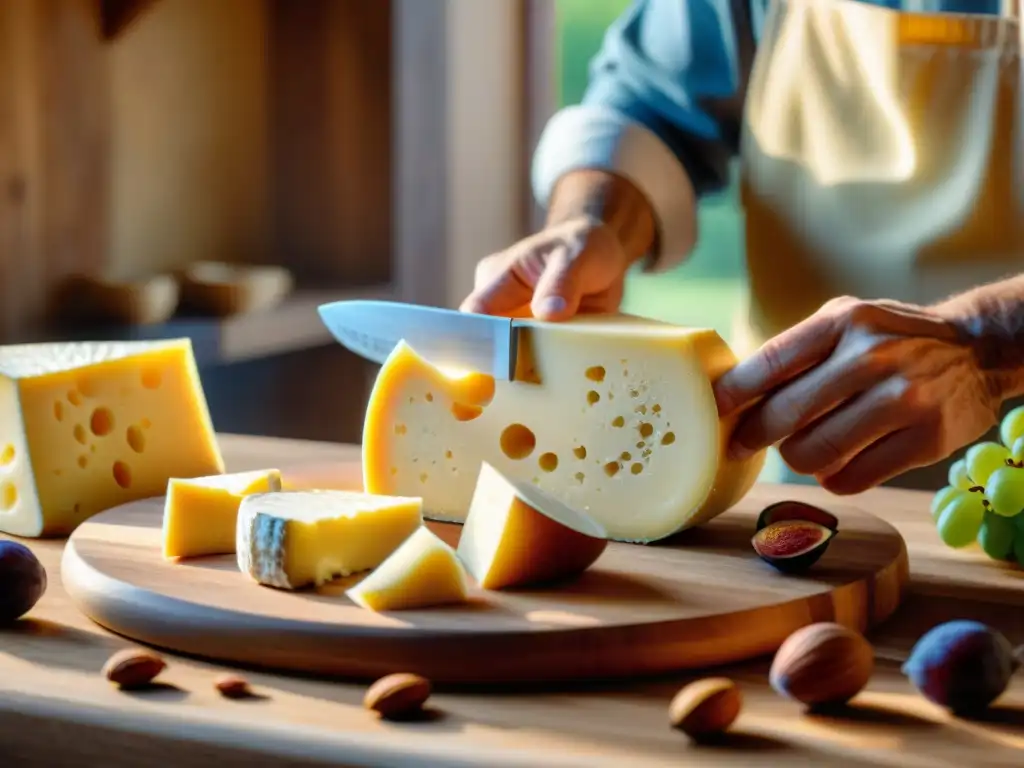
[423,572]
[296,539]
[64,409]
[201,514]
[679,477]
[517,535]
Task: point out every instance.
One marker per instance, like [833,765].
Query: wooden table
[56,709]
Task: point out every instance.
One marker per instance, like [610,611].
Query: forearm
[991,318]
[610,199]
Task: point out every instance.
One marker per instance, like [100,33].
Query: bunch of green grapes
[984,500]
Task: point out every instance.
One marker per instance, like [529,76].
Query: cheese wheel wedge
[614,416]
[201,513]
[422,573]
[297,539]
[88,426]
[517,535]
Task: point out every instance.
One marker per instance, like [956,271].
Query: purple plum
[22,580]
[961,665]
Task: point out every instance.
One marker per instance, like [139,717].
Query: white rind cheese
[298,539]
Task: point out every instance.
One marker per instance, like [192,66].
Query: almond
[133,668]
[822,664]
[232,686]
[397,696]
[705,707]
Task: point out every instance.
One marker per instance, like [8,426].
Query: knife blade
[445,337]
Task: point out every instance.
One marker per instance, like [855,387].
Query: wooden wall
[190,136]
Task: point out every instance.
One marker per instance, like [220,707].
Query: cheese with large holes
[422,573]
[88,426]
[614,416]
[517,535]
[296,539]
[201,513]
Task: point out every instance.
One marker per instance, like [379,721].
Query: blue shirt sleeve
[663,108]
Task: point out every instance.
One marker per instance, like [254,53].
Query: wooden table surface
[56,709]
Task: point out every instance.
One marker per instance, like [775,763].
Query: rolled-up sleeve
[662,109]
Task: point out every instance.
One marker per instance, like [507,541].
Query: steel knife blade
[445,337]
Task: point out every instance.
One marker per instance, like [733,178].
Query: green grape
[1005,491]
[943,497]
[1011,429]
[1017,451]
[960,521]
[985,458]
[958,475]
[997,536]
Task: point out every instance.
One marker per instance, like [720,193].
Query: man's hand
[598,225]
[576,266]
[860,392]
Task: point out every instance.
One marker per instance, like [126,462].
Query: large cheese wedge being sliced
[88,426]
[517,535]
[614,416]
[201,513]
[296,539]
[422,573]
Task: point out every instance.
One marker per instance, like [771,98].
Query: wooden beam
[540,89]
[117,15]
[459,144]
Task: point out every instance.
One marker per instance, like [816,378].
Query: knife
[445,337]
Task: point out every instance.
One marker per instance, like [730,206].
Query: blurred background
[217,168]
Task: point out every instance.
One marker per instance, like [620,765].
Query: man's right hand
[598,225]
[576,266]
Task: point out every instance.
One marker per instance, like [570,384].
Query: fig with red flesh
[792,536]
[796,510]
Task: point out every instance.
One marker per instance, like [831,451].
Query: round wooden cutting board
[701,599]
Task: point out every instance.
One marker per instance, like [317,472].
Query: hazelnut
[397,696]
[133,668]
[822,664]
[705,707]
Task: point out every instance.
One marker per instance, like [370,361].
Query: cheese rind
[201,513]
[614,416]
[517,535]
[297,539]
[88,426]
[423,572]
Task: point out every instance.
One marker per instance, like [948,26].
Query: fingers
[503,294]
[829,444]
[778,361]
[803,401]
[558,293]
[893,455]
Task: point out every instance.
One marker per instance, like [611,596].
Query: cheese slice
[422,573]
[614,416]
[88,426]
[296,539]
[517,535]
[201,513]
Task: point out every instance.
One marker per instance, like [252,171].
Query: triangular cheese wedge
[516,534]
[422,573]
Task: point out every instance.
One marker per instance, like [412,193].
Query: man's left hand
[860,392]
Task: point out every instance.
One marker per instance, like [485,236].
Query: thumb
[559,290]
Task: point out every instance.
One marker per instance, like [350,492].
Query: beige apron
[879,159]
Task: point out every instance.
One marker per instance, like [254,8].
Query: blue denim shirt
[664,102]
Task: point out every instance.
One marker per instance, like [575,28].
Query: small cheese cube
[88,426]
[516,535]
[201,513]
[296,539]
[422,573]
[614,416]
